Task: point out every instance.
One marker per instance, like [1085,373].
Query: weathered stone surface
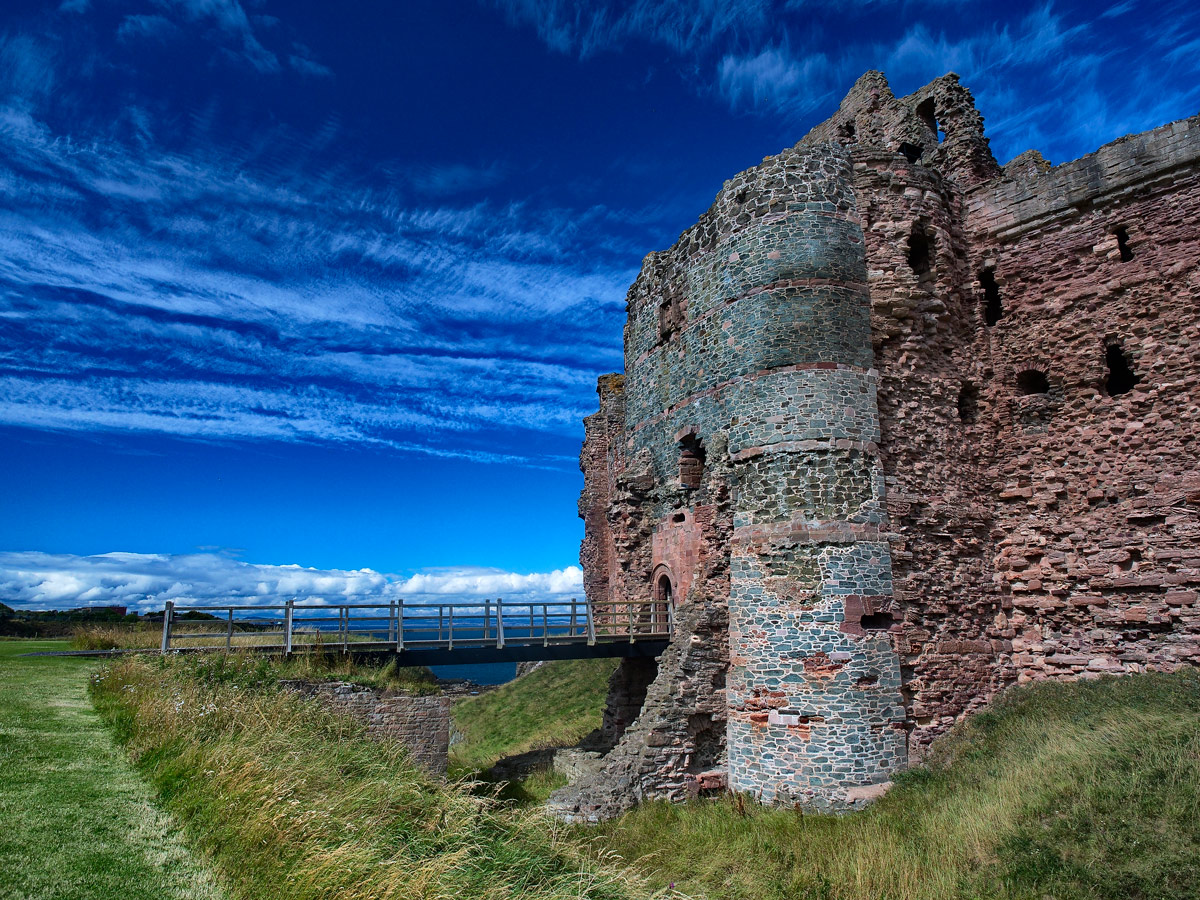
[421,722]
[897,428]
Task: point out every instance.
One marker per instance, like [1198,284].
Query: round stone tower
[751,340]
[813,691]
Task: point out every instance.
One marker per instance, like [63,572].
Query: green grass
[293,801]
[249,669]
[1088,790]
[1085,791]
[553,706]
[76,821]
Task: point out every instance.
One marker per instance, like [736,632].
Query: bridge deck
[422,634]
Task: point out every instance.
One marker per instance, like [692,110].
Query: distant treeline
[63,622]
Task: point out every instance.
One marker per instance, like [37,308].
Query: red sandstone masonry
[421,722]
[1033,534]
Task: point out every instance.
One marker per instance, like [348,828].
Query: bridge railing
[292,627]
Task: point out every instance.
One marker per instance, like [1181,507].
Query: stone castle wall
[421,722]
[868,420]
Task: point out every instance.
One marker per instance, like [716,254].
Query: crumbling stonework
[421,722]
[898,428]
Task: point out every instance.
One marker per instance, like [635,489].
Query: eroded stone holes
[1033,381]
[879,621]
[670,319]
[968,403]
[1121,377]
[993,309]
[920,250]
[1122,236]
[927,113]
[691,462]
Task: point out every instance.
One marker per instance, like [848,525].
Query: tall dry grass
[291,801]
[1088,791]
[148,636]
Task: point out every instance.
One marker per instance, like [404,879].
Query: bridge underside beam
[435,656]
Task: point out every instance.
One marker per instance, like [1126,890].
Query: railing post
[670,618]
[345,630]
[287,628]
[450,626]
[400,626]
[591,624]
[229,632]
[487,618]
[629,604]
[545,624]
[500,623]
[391,622]
[441,616]
[168,608]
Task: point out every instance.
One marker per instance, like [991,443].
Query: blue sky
[328,285]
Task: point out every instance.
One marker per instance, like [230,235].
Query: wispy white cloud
[301,59]
[27,71]
[141,27]
[35,580]
[229,18]
[1003,62]
[220,296]
[570,27]
[774,79]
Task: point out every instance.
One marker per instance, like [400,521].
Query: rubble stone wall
[421,722]
[917,427]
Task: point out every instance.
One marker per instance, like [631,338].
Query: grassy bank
[553,706]
[292,801]
[75,819]
[1087,790]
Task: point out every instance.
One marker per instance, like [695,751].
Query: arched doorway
[664,595]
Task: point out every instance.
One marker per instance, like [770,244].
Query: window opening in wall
[879,621]
[679,517]
[919,250]
[928,114]
[993,309]
[911,152]
[1031,381]
[1123,243]
[670,319]
[968,403]
[691,462]
[1121,377]
[848,132]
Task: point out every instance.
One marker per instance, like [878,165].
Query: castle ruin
[899,427]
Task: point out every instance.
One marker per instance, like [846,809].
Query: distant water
[480,673]
[465,628]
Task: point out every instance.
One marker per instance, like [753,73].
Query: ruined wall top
[938,124]
[1032,193]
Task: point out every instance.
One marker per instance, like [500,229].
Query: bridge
[427,634]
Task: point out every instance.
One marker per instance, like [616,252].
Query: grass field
[292,801]
[76,820]
[1085,791]
[553,706]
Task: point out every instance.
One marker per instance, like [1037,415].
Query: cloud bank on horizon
[142,581]
[202,236]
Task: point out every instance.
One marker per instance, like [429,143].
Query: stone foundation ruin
[899,427]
